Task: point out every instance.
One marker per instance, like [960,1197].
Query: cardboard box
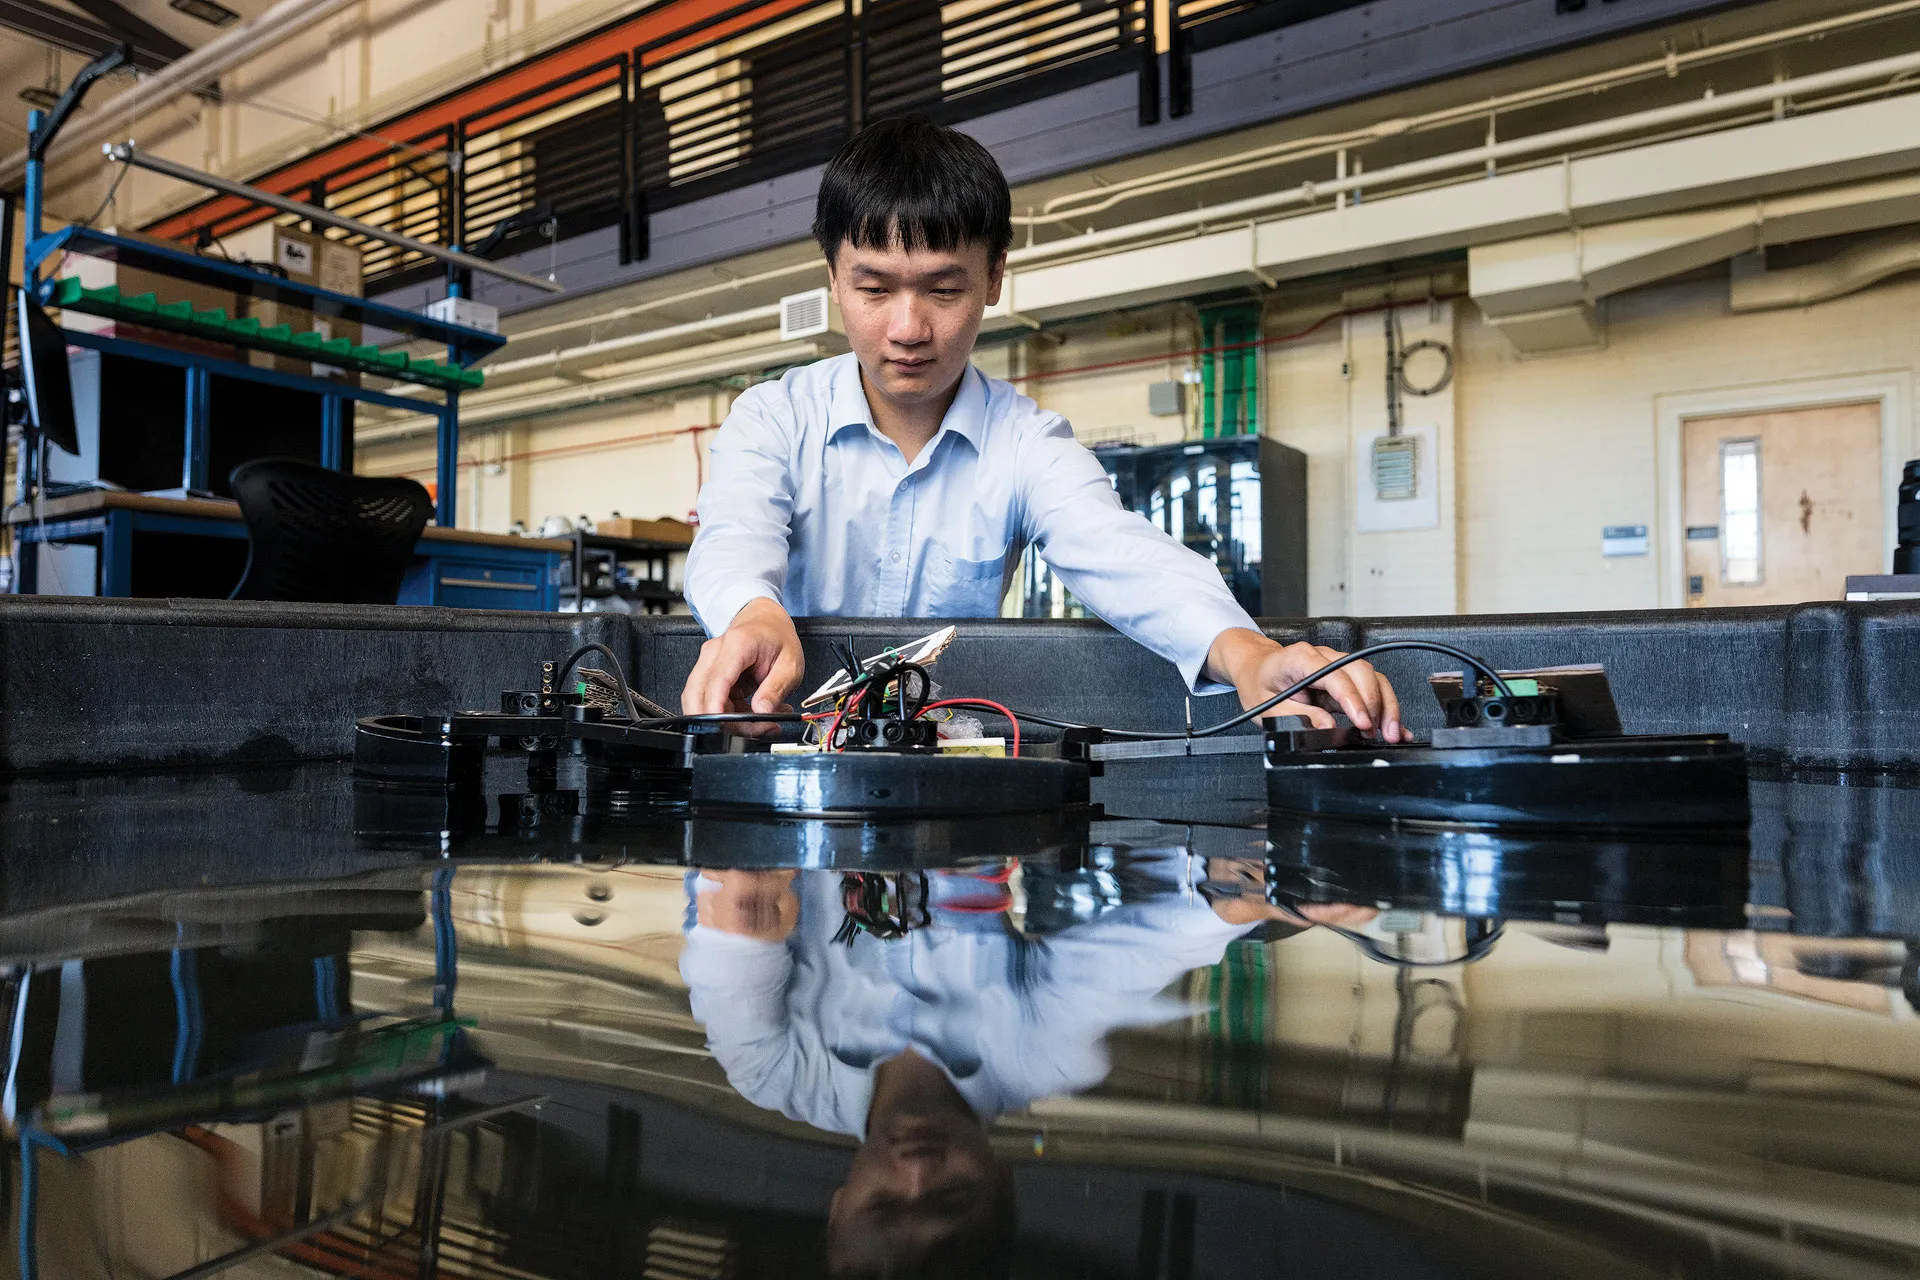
[98,273]
[308,259]
[665,529]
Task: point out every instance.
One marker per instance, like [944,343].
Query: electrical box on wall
[1167,399]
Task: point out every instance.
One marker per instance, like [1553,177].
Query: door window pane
[1740,511]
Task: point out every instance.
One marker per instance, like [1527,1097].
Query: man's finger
[729,663]
[1391,730]
[693,694]
[789,665]
[1367,682]
[1315,716]
[1341,688]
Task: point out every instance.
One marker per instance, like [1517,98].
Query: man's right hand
[752,666]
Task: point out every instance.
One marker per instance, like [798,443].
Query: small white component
[961,727]
[466,312]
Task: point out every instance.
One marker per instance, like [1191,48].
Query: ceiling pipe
[622,388]
[198,69]
[1557,140]
[1297,149]
[554,361]
[678,298]
[1279,153]
[613,346]
[1240,211]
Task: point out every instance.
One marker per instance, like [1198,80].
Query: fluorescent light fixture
[206,10]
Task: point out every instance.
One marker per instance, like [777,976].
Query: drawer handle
[483,582]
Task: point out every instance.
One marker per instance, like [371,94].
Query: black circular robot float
[1544,750]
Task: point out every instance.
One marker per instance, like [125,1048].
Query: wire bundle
[893,678]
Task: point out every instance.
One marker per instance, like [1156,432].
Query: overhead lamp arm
[104,65]
[526,218]
[127,153]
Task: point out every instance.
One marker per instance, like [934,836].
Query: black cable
[726,717]
[1478,949]
[1293,690]
[619,673]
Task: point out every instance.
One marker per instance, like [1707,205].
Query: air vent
[1395,468]
[803,315]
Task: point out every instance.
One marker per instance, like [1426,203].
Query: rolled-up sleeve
[1131,574]
[746,510]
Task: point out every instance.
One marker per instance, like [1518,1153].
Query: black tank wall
[89,684]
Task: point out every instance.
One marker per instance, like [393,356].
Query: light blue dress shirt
[809,505]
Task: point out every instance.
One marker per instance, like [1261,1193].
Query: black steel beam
[133,28]
[63,30]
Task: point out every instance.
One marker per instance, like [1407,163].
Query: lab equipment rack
[45,252]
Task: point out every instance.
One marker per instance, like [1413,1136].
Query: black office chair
[326,536]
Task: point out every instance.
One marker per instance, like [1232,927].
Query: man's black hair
[911,182]
[981,1250]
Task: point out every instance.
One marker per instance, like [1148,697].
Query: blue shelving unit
[464,345]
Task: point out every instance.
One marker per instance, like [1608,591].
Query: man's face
[917,1181]
[912,315]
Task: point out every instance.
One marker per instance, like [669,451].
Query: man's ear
[996,276]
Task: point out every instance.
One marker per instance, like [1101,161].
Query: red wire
[845,707]
[981,702]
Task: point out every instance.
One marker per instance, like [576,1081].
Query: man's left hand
[1258,668]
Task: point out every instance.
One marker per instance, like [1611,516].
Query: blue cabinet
[483,578]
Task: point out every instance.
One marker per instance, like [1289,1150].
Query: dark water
[268,1022]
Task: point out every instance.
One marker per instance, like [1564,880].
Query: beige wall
[1556,447]
[1538,453]
[636,457]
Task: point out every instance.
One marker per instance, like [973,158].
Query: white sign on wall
[1374,514]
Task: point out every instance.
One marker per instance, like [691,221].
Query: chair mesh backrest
[326,536]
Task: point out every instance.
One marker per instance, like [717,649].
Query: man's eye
[873,291]
[946,293]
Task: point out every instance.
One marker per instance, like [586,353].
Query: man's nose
[907,324]
[914,1173]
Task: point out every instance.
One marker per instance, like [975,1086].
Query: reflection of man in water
[915,1044]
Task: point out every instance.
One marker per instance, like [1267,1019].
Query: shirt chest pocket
[966,581]
[961,569]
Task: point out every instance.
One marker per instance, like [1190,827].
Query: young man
[899,481]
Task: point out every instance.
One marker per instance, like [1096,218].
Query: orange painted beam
[562,65]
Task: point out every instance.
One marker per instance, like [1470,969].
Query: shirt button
[896,557]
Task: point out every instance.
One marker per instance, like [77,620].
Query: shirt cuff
[1211,624]
[717,609]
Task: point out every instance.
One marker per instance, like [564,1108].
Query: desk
[156,546]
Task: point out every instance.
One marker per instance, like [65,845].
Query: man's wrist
[1236,655]
[719,609]
[761,609]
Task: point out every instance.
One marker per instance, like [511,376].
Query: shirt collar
[847,404]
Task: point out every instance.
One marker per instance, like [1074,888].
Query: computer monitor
[43,370]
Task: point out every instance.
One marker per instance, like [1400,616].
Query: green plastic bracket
[248,332]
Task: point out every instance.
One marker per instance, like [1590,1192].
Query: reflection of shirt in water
[800,1025]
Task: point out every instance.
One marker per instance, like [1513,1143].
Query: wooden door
[1780,507]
